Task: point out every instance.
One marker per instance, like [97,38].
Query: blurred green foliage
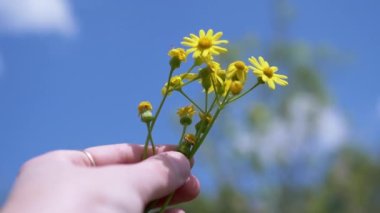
[351,185]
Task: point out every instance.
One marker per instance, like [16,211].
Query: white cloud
[37,16]
[331,128]
[310,130]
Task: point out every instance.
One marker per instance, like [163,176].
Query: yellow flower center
[268,72]
[204,43]
[240,65]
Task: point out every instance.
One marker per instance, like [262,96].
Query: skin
[64,181]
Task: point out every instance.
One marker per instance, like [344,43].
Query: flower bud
[236,87]
[145,111]
[186,120]
[147,116]
[144,106]
[190,138]
[177,56]
[186,114]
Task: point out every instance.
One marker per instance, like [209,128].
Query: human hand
[64,181]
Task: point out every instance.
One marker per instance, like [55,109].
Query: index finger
[123,153]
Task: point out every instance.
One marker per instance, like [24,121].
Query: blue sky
[72,79]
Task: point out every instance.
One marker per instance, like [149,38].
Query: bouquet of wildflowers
[220,87]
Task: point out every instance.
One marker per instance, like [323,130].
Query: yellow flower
[205,117]
[190,138]
[186,114]
[205,45]
[237,71]
[179,53]
[144,106]
[266,73]
[187,111]
[175,84]
[213,75]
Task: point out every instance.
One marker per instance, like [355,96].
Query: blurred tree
[352,185]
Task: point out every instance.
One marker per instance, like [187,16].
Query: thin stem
[191,81]
[146,144]
[212,106]
[216,94]
[206,101]
[167,201]
[151,139]
[189,99]
[199,143]
[162,100]
[183,134]
[243,94]
[196,147]
[190,69]
[150,125]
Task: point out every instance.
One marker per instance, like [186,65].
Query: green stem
[243,94]
[151,139]
[216,94]
[189,99]
[146,144]
[190,69]
[162,100]
[191,81]
[201,140]
[212,105]
[199,143]
[167,201]
[151,124]
[183,134]
[206,101]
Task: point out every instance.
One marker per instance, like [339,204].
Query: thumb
[160,175]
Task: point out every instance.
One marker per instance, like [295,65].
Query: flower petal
[210,32]
[254,62]
[217,35]
[202,33]
[194,36]
[271,84]
[280,81]
[274,68]
[220,49]
[220,42]
[281,76]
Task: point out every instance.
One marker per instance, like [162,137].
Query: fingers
[159,175]
[122,153]
[186,192]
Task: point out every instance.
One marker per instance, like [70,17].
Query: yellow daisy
[205,45]
[267,73]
